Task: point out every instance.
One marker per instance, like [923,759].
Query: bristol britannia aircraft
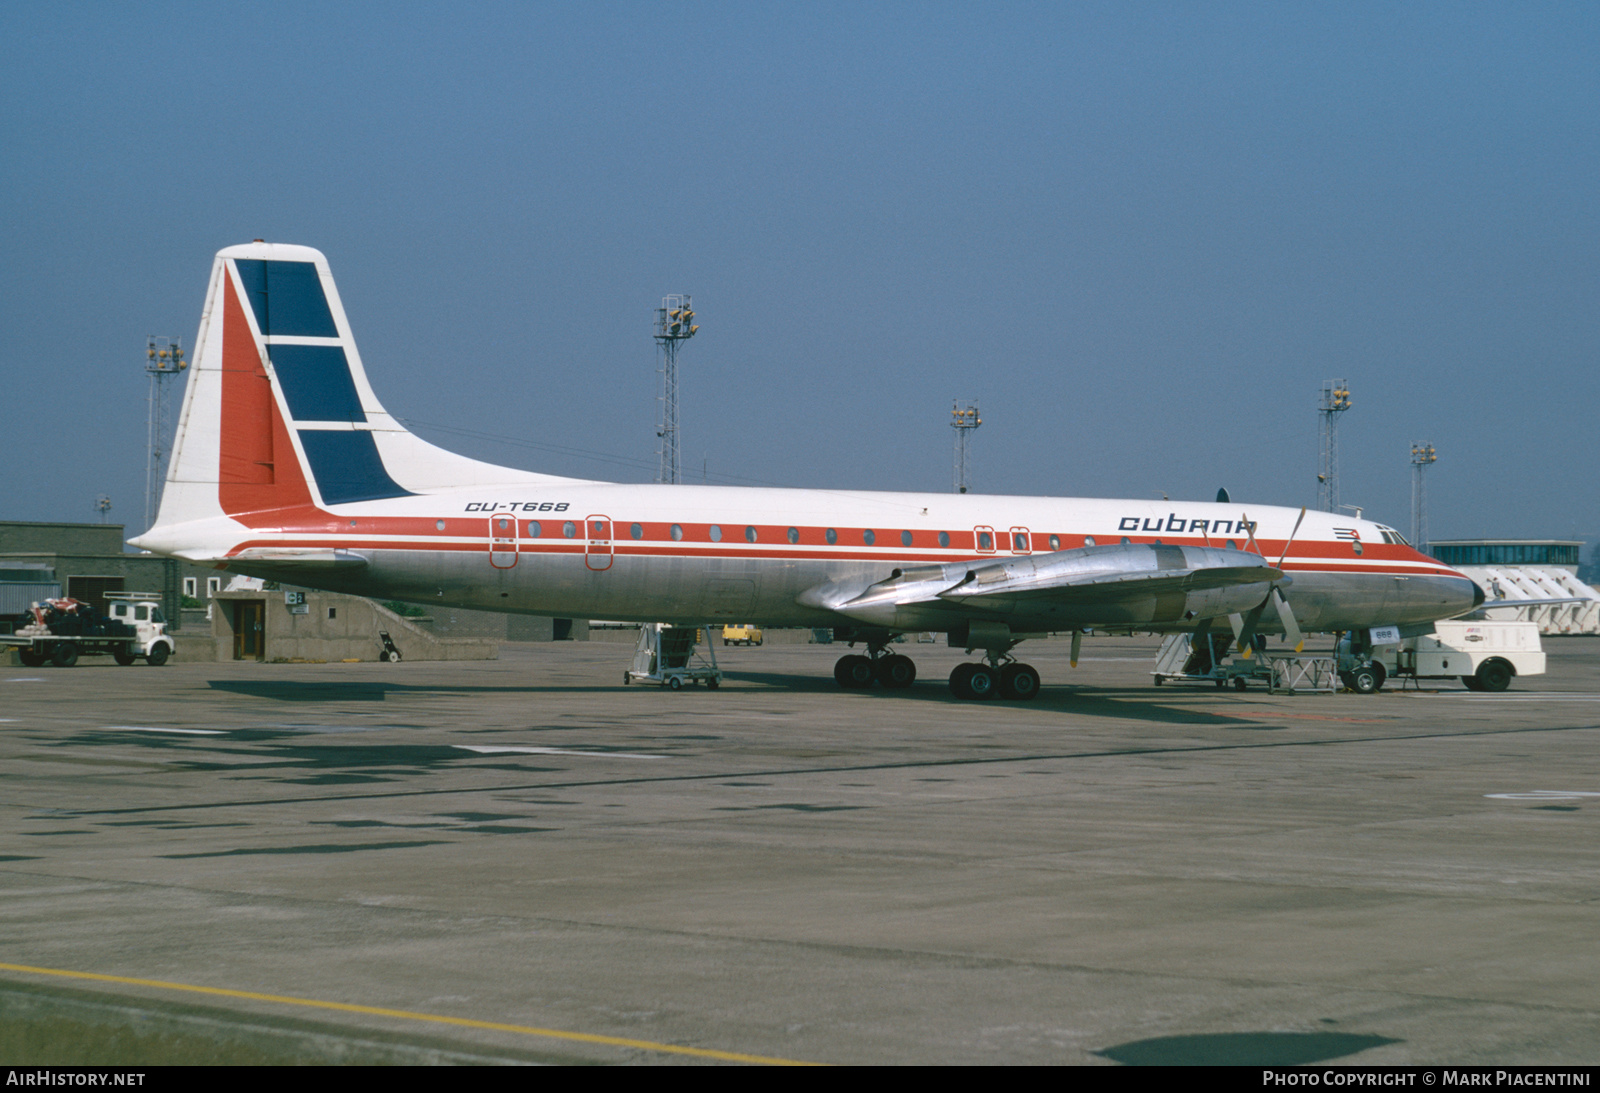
[286,466]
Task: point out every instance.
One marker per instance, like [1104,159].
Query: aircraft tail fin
[279,415]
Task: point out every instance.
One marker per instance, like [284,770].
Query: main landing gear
[1000,677]
[891,670]
[1018,681]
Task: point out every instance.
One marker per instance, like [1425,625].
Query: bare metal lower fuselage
[766,591]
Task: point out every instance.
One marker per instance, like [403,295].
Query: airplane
[286,466]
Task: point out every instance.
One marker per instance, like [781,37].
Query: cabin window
[985,540]
[677,532]
[569,529]
[1126,540]
[637,531]
[534,530]
[905,538]
[869,537]
[1055,542]
[1357,546]
[1019,542]
[832,536]
[716,534]
[438,525]
[503,523]
[1088,540]
[750,535]
[794,535]
[944,538]
[1232,545]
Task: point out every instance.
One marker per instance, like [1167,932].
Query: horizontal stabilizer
[299,559]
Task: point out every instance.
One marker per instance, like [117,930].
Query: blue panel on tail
[287,298]
[316,381]
[347,466]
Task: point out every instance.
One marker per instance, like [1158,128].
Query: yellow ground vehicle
[741,635]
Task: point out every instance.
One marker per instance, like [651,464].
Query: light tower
[1335,401]
[163,360]
[674,326]
[966,419]
[102,505]
[1422,456]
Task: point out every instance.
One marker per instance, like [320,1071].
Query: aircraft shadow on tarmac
[1127,703]
[1243,1049]
[294,690]
[1130,704]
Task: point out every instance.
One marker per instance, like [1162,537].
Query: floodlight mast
[1422,457]
[966,419]
[674,326]
[163,360]
[1335,401]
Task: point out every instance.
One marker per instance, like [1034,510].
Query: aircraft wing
[1129,584]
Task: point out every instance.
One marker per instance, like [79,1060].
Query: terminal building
[1528,569]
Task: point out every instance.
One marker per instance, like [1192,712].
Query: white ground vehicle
[142,611]
[1484,655]
[61,631]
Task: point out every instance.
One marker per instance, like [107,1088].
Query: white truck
[1485,655]
[59,631]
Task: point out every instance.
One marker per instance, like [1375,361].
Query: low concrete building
[460,622]
[89,560]
[258,624]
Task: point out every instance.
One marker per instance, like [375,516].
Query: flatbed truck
[60,631]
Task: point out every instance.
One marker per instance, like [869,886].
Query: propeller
[1244,628]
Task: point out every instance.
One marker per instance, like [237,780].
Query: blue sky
[1142,235]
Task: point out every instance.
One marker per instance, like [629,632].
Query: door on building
[249,629]
[92,590]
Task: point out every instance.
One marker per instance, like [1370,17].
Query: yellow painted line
[409,1015]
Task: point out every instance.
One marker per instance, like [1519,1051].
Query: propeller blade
[1291,628]
[1077,643]
[1246,645]
[1250,527]
[1292,534]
